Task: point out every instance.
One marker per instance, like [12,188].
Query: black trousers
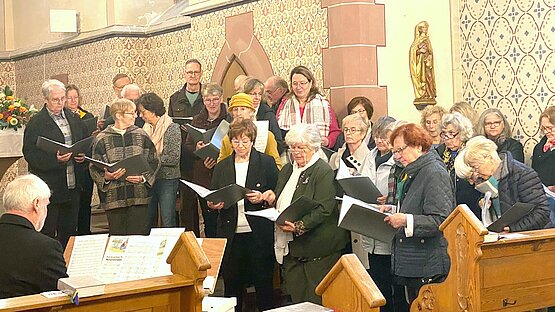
[84,218]
[405,290]
[61,219]
[188,215]
[132,220]
[248,262]
[380,271]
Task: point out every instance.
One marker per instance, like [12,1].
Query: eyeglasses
[239,142]
[130,113]
[301,84]
[399,150]
[358,111]
[193,72]
[378,139]
[547,129]
[58,100]
[493,124]
[298,149]
[213,100]
[448,135]
[351,130]
[73,98]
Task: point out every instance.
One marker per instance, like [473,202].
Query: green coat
[322,236]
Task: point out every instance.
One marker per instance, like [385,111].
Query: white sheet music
[87,254]
[261,140]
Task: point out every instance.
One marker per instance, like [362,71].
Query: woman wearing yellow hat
[240,107]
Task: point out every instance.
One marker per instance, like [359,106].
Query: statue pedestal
[11,148]
[422,103]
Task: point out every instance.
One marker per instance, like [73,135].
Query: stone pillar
[350,65]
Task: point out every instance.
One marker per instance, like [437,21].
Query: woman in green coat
[309,247]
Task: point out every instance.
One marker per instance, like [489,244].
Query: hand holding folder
[80,147]
[134,166]
[294,212]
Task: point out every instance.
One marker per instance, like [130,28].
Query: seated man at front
[31,262]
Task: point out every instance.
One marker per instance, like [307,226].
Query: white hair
[130,87]
[304,133]
[46,88]
[21,192]
[460,122]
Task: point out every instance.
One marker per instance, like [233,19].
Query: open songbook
[82,146]
[212,149]
[229,194]
[198,134]
[365,219]
[125,258]
[359,187]
[134,165]
[294,212]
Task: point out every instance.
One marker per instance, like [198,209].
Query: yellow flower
[9,98]
[1,116]
[11,108]
[14,121]
[21,109]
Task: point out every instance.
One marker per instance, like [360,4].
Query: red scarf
[548,146]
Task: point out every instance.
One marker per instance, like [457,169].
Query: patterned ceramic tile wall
[7,74]
[508,60]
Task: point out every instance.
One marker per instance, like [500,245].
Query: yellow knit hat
[240,100]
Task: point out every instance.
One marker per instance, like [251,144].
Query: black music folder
[198,134]
[182,120]
[212,149]
[294,212]
[229,194]
[134,165]
[366,219]
[83,146]
[361,188]
[514,214]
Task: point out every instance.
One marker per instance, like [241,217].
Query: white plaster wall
[393,60]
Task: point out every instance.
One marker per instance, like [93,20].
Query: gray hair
[481,123]
[356,118]
[212,89]
[477,151]
[131,87]
[384,125]
[304,133]
[460,122]
[47,86]
[21,192]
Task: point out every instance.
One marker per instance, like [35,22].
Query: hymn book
[294,212]
[80,147]
[198,134]
[517,211]
[182,120]
[366,219]
[134,165]
[81,286]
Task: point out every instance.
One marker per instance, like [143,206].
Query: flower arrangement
[14,112]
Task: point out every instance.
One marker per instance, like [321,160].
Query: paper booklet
[134,165]
[359,187]
[212,149]
[198,134]
[182,120]
[517,211]
[229,194]
[548,192]
[366,219]
[261,140]
[294,212]
[51,146]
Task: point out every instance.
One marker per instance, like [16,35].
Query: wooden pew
[181,291]
[348,287]
[516,273]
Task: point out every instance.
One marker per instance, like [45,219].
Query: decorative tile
[526,33]
[500,7]
[524,5]
[478,39]
[503,77]
[529,112]
[476,8]
[480,78]
[501,36]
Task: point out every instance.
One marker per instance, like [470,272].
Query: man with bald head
[275,90]
[32,262]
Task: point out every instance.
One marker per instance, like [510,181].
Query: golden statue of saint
[421,63]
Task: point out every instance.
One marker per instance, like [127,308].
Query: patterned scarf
[449,158]
[156,133]
[316,112]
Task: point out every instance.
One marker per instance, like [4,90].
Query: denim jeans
[551,202]
[164,193]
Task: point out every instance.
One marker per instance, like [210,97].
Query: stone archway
[242,47]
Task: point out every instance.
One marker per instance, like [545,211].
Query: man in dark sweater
[32,262]
[187,102]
